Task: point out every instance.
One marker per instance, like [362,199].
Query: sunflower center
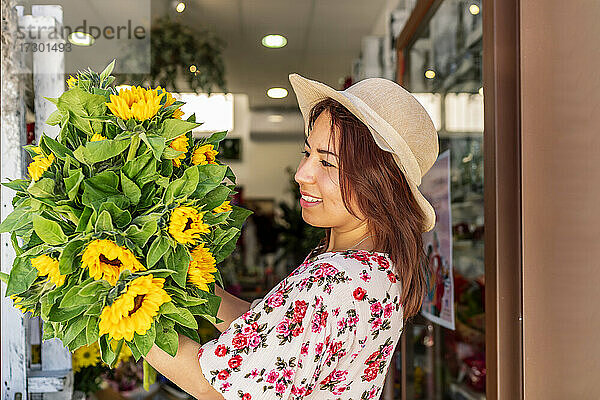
[137,303]
[188,224]
[115,262]
[87,354]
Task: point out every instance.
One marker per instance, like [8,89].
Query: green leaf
[19,185]
[170,153]
[106,352]
[80,103]
[84,219]
[173,128]
[158,248]
[155,143]
[80,340]
[94,310]
[104,222]
[54,118]
[57,314]
[15,220]
[180,315]
[107,71]
[43,188]
[94,288]
[180,262]
[144,342]
[141,235]
[70,298]
[216,197]
[72,183]
[209,177]
[141,169]
[239,215]
[4,277]
[119,217]
[183,186]
[74,328]
[66,261]
[102,188]
[58,149]
[49,231]
[102,150]
[166,337]
[131,190]
[92,330]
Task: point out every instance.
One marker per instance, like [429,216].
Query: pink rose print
[224,374]
[221,350]
[200,351]
[373,392]
[341,323]
[275,300]
[391,277]
[254,373]
[297,330]
[239,341]
[359,293]
[387,310]
[254,341]
[225,386]
[338,390]
[284,327]
[319,348]
[272,377]
[376,308]
[300,307]
[330,270]
[247,330]
[288,373]
[370,373]
[376,323]
[304,349]
[280,387]
[247,396]
[365,276]
[235,361]
[319,273]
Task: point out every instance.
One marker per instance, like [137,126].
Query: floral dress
[326,331]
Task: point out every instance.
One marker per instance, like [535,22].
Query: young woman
[329,329]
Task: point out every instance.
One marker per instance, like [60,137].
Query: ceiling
[324,38]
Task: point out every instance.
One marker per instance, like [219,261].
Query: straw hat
[398,122]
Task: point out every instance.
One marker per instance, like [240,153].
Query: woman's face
[318,177]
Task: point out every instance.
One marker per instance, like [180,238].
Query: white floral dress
[326,331]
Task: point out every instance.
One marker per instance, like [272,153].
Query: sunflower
[186,224]
[134,311]
[71,82]
[179,144]
[97,137]
[136,102]
[47,265]
[204,155]
[201,267]
[85,356]
[177,113]
[39,164]
[106,260]
[223,207]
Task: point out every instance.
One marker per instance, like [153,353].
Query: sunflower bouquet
[121,221]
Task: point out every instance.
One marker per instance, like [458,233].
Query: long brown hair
[370,174]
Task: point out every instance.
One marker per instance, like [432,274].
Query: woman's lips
[304,203]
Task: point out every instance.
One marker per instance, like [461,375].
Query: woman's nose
[304,173]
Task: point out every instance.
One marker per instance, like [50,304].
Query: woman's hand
[183,369]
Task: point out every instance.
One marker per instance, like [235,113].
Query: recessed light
[277,93]
[180,7]
[275,118]
[430,74]
[193,68]
[474,9]
[81,39]
[274,41]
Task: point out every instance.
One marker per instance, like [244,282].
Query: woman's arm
[184,369]
[230,309]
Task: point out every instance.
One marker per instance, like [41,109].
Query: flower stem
[149,375]
[135,142]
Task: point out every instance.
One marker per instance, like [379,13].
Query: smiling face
[318,177]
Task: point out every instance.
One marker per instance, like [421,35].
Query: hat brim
[309,93]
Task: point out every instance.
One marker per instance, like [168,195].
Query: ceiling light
[277,93]
[180,7]
[430,74]
[193,68]
[474,9]
[81,39]
[274,41]
[275,118]
[481,90]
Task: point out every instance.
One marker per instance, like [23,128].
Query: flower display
[179,144]
[135,102]
[106,260]
[47,265]
[201,268]
[115,228]
[204,155]
[85,356]
[134,310]
[186,225]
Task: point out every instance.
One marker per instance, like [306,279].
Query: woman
[329,329]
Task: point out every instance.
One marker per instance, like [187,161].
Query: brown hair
[370,174]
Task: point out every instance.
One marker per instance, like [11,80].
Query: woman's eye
[325,163]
